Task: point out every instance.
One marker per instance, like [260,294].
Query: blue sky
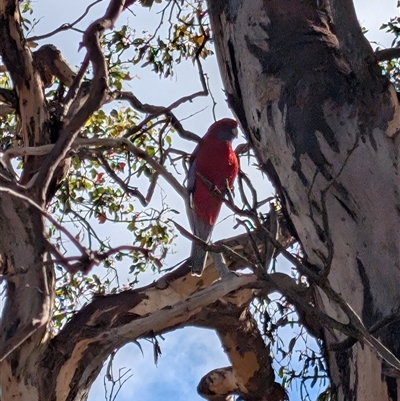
[189,353]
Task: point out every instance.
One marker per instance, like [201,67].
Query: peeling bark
[31,73]
[18,59]
[26,263]
[323,121]
[324,124]
[50,64]
[64,367]
[251,375]
[36,367]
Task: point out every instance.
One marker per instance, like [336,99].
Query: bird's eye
[235,132]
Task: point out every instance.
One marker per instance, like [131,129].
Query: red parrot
[213,169]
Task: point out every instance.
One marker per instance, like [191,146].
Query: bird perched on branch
[213,169]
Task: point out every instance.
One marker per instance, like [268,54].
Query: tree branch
[29,275]
[49,62]
[156,111]
[350,35]
[64,27]
[9,96]
[387,54]
[111,321]
[251,375]
[28,267]
[102,142]
[28,86]
[124,186]
[91,40]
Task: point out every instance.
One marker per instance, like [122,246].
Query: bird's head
[224,130]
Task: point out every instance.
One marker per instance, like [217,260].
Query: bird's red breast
[216,161]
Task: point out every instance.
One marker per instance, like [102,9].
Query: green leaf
[292,342]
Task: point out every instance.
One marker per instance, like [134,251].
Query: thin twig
[215,248]
[64,27]
[53,221]
[108,143]
[125,187]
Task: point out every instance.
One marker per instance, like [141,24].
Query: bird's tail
[198,259]
[198,255]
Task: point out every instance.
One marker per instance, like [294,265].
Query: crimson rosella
[213,169]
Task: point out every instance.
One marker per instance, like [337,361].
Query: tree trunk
[64,367]
[324,124]
[36,366]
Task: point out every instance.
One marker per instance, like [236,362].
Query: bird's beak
[235,132]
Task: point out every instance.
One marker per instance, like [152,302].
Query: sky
[189,353]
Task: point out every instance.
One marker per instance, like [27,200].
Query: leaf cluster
[391,68]
[182,34]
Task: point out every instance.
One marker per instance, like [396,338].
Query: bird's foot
[216,191]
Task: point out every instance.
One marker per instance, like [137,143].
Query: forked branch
[91,41]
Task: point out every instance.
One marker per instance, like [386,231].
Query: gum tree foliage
[81,152]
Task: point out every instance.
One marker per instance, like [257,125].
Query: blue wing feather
[191,177]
